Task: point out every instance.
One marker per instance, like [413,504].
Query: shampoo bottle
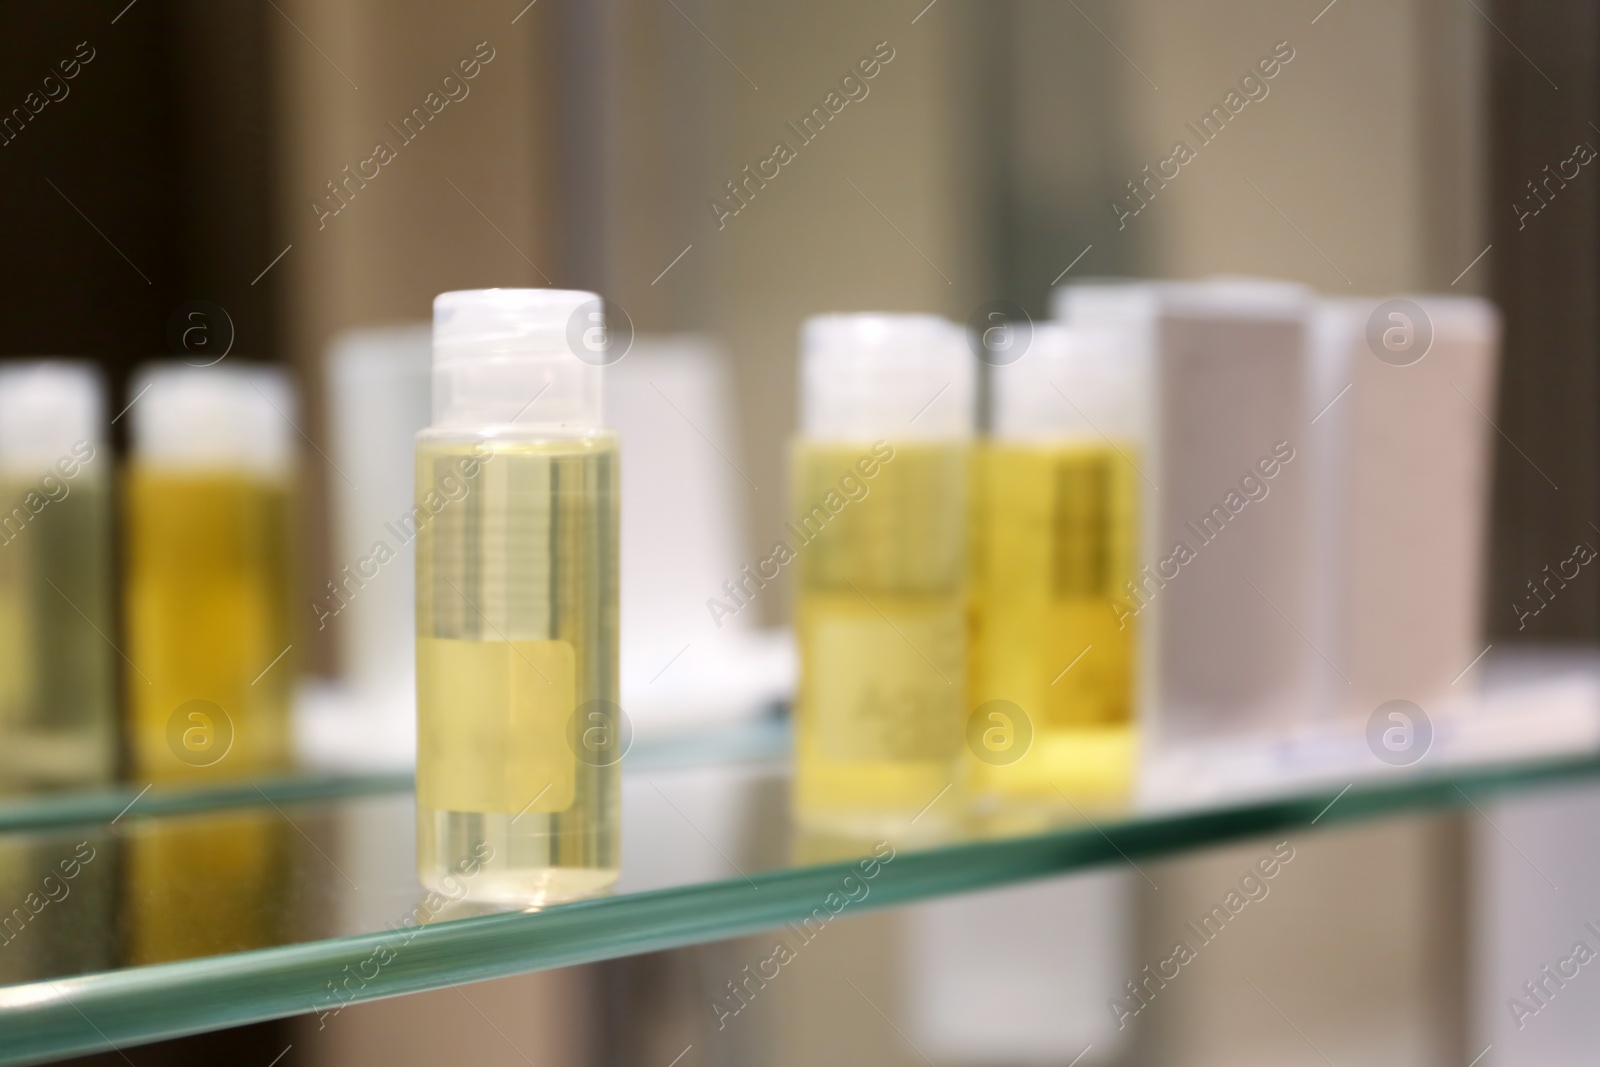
[1059,494]
[209,670]
[519,737]
[57,666]
[880,491]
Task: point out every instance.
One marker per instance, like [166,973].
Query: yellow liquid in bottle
[1057,537]
[57,676]
[209,595]
[881,624]
[519,738]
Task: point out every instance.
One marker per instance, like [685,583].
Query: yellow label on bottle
[893,685]
[492,733]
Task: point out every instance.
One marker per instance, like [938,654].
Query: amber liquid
[519,738]
[209,595]
[1057,536]
[881,624]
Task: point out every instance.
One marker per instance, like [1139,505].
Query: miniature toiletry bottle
[880,477]
[519,737]
[57,673]
[1057,536]
[209,570]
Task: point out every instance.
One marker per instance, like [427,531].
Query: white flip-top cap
[528,358]
[46,408]
[1073,382]
[230,416]
[864,376]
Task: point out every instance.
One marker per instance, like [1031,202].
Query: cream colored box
[1224,601]
[1403,392]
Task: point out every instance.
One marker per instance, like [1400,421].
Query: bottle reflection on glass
[57,905]
[207,884]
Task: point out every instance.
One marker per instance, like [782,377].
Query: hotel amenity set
[1214,537]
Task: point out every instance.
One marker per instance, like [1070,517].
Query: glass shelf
[192,911]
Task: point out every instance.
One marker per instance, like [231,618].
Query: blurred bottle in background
[57,680]
[1058,494]
[209,570]
[378,388]
[880,492]
[693,658]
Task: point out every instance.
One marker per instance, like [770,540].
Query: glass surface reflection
[156,888]
[207,884]
[59,898]
[323,875]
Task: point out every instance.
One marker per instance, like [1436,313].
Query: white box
[1405,389]
[1224,603]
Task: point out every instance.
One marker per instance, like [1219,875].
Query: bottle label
[885,687]
[493,737]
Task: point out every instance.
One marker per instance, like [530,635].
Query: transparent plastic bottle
[880,478]
[1058,535]
[210,563]
[519,737]
[57,667]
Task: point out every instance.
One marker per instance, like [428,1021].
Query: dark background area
[147,186]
